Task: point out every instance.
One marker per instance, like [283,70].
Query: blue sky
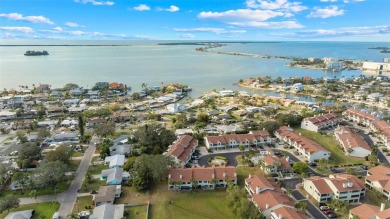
[322,20]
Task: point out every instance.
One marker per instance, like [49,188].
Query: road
[70,196]
[231,157]
[313,210]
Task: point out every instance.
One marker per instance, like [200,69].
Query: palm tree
[213,182]
[33,194]
[144,86]
[194,183]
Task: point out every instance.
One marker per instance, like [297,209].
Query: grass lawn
[82,203]
[328,142]
[374,198]
[74,164]
[244,171]
[97,169]
[94,185]
[136,212]
[40,191]
[130,195]
[45,209]
[189,205]
[77,154]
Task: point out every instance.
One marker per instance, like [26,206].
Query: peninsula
[36,53]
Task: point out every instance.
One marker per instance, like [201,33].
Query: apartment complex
[321,121]
[309,149]
[378,178]
[254,138]
[274,164]
[383,127]
[344,187]
[367,211]
[182,149]
[201,177]
[270,199]
[360,117]
[352,143]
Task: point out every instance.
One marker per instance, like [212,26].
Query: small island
[36,53]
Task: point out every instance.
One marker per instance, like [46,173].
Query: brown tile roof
[365,211]
[260,132]
[272,199]
[183,147]
[339,180]
[381,174]
[239,138]
[306,144]
[289,213]
[384,129]
[351,139]
[320,184]
[324,119]
[361,114]
[202,173]
[259,181]
[383,214]
[271,160]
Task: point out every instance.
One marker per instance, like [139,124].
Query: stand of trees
[237,199]
[27,154]
[153,138]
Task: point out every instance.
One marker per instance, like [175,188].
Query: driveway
[70,195]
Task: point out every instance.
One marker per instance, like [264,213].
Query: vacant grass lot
[83,203]
[136,212]
[42,210]
[328,142]
[74,164]
[97,169]
[94,185]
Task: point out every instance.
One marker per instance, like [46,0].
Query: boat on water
[36,53]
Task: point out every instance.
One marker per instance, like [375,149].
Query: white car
[56,215]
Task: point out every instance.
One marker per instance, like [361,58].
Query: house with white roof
[115,161]
[108,211]
[114,176]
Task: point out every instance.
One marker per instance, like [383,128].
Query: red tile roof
[360,114]
[182,148]
[365,211]
[272,199]
[381,174]
[202,173]
[238,138]
[351,139]
[324,119]
[259,181]
[289,213]
[271,160]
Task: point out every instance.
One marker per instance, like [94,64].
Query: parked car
[56,215]
[332,215]
[322,204]
[312,164]
[328,211]
[323,208]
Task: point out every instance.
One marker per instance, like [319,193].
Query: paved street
[69,197]
[313,210]
[230,156]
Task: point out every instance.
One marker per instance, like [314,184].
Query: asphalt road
[231,157]
[70,195]
[313,210]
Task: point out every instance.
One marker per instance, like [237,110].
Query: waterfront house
[269,198]
[108,211]
[182,149]
[43,88]
[378,178]
[367,211]
[107,194]
[176,108]
[309,149]
[100,85]
[235,140]
[201,177]
[351,142]
[93,94]
[225,93]
[321,121]
[114,176]
[298,87]
[115,161]
[344,187]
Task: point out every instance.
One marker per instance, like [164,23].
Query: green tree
[28,152]
[6,173]
[33,194]
[301,168]
[9,201]
[81,125]
[21,137]
[301,206]
[62,153]
[49,174]
[154,138]
[149,169]
[129,163]
[22,180]
[136,96]
[203,117]
[105,130]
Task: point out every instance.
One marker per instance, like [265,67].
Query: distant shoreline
[64,45]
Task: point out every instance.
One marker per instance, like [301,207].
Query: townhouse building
[367,211]
[360,117]
[182,149]
[351,142]
[321,121]
[253,139]
[378,178]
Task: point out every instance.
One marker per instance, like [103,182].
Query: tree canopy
[105,130]
[154,138]
[62,153]
[8,202]
[301,167]
[28,152]
[237,200]
[49,174]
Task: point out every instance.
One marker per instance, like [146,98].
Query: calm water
[147,62]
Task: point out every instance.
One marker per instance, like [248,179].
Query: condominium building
[378,178]
[182,149]
[321,121]
[352,143]
[255,138]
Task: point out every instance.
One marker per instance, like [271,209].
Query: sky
[251,20]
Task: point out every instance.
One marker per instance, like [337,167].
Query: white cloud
[209,30]
[268,25]
[186,35]
[58,29]
[328,0]
[32,19]
[172,8]
[326,12]
[240,15]
[94,2]
[18,29]
[340,32]
[282,5]
[72,24]
[142,7]
[353,1]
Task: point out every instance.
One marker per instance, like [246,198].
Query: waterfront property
[182,149]
[271,201]
[201,177]
[367,211]
[378,178]
[352,143]
[309,149]
[254,138]
[344,187]
[321,121]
